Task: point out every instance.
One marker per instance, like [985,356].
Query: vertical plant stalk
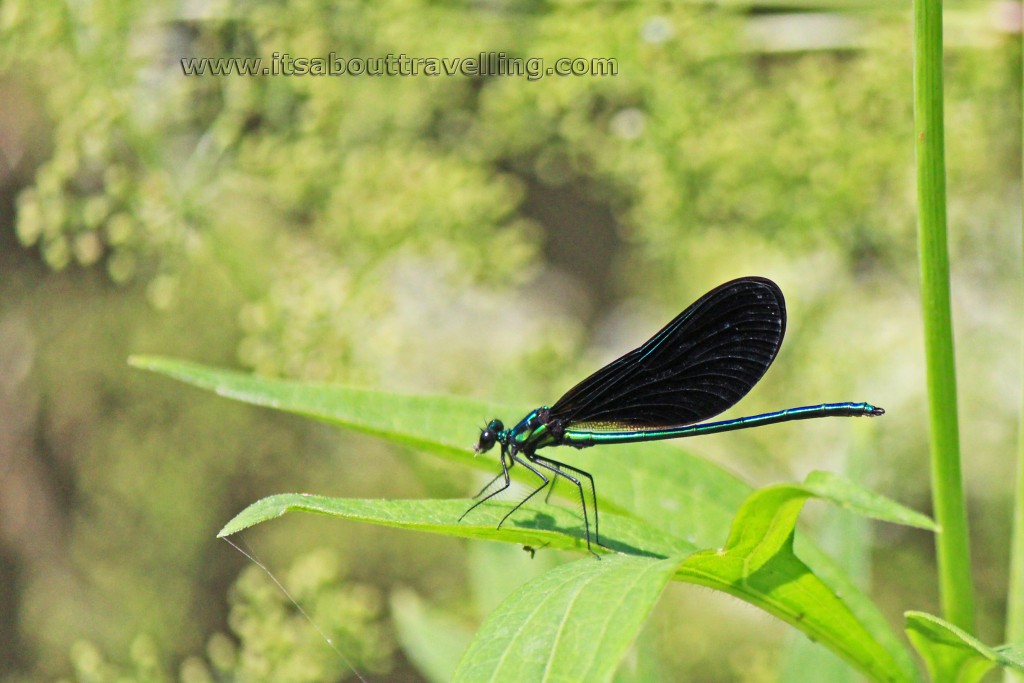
[953,547]
[1015,597]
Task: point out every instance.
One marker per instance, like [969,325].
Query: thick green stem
[947,487]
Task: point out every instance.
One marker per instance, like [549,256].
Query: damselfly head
[489,436]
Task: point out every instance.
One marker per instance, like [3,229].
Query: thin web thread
[251,555]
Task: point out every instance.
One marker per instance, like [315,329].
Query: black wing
[698,365]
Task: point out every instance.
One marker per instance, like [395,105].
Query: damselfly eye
[489,436]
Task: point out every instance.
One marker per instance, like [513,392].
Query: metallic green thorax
[533,431]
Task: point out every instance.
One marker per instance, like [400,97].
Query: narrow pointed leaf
[847,494]
[550,525]
[954,656]
[443,425]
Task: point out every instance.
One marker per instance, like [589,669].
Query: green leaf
[954,656]
[443,425]
[550,525]
[574,623]
[847,494]
[758,565]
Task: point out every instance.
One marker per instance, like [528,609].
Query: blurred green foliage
[490,236]
[273,642]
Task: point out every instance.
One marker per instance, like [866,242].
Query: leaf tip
[143,361]
[233,527]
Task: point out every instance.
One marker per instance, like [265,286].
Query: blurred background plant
[487,236]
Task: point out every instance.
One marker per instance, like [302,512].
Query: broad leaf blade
[574,623]
[952,655]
